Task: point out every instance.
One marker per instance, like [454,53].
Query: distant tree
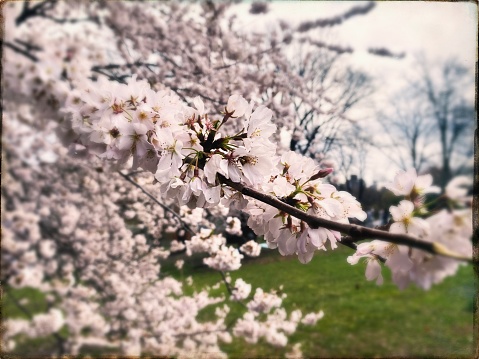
[448,109]
[333,90]
[407,126]
[432,119]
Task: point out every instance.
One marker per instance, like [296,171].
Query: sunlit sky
[436,30]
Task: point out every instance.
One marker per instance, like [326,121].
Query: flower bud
[321,173]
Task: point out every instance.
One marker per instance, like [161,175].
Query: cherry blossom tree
[127,141]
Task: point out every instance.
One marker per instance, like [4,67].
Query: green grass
[361,319]
[31,302]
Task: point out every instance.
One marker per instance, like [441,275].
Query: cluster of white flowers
[181,145]
[41,325]
[222,257]
[449,227]
[63,55]
[189,155]
[298,183]
[276,326]
[251,249]
[227,258]
[179,264]
[21,233]
[176,246]
[233,226]
[241,290]
[312,318]
[205,242]
[263,302]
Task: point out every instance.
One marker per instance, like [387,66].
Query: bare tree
[333,90]
[431,121]
[407,127]
[351,152]
[444,95]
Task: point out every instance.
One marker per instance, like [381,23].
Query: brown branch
[21,51]
[353,230]
[120,66]
[112,77]
[336,20]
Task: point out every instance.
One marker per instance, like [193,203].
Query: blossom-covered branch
[194,155]
[355,231]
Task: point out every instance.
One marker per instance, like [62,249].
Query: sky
[436,30]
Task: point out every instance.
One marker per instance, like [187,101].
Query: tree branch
[21,51]
[176,215]
[120,66]
[113,77]
[353,230]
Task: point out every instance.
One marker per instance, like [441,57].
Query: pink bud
[321,173]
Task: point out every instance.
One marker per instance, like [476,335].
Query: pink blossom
[405,222]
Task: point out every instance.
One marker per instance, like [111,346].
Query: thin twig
[113,77]
[176,215]
[119,66]
[70,21]
[21,51]
[27,45]
[229,288]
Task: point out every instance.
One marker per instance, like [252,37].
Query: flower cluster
[276,325]
[40,326]
[233,226]
[190,155]
[227,258]
[451,228]
[251,249]
[297,181]
[241,290]
[181,145]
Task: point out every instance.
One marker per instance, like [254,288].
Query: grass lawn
[361,319]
